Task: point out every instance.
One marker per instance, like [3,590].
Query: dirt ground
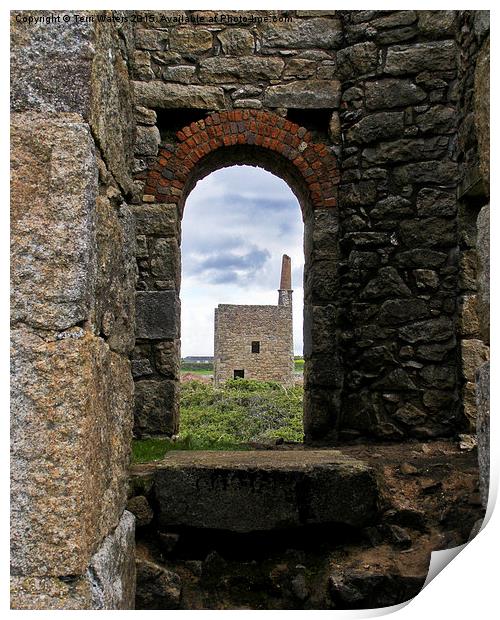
[428,500]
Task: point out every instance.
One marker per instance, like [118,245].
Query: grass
[229,417]
[194,367]
[200,372]
[206,368]
[299,364]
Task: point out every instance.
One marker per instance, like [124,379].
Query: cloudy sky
[237,224]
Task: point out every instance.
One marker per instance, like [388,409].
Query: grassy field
[206,368]
[203,368]
[229,417]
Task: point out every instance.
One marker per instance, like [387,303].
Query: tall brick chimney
[285,289]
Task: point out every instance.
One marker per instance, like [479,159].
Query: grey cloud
[257,203]
[202,242]
[229,267]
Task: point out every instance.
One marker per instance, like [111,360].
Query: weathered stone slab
[112,568]
[392,207]
[190,40]
[168,358]
[71,429]
[320,33]
[147,141]
[392,93]
[420,257]
[153,40]
[434,56]
[438,119]
[157,94]
[42,60]
[436,202]
[222,69]
[183,74]
[111,104]
[474,354]
[395,20]
[236,41]
[379,126]
[357,60]
[322,242]
[437,23]
[483,429]
[108,583]
[428,331]
[304,94]
[157,315]
[442,172]
[54,188]
[166,262]
[429,232]
[468,318]
[322,409]
[114,289]
[482,111]
[387,283]
[156,219]
[142,66]
[248,103]
[483,279]
[319,329]
[156,408]
[412,149]
[260,491]
[145,116]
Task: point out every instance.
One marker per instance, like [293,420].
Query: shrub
[229,417]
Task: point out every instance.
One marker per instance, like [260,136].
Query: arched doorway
[287,150]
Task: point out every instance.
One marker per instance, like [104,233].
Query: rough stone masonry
[378,122]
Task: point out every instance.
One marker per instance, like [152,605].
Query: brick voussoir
[314,163]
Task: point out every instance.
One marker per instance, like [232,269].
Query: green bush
[241,410]
[228,417]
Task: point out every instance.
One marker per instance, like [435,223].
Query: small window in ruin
[255,346]
[239,374]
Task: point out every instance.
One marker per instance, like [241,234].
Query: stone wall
[399,258]
[473,192]
[473,149]
[380,88]
[236,327]
[73,278]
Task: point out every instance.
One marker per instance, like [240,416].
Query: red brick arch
[312,162]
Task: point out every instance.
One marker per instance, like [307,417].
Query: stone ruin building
[256,342]
[379,123]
